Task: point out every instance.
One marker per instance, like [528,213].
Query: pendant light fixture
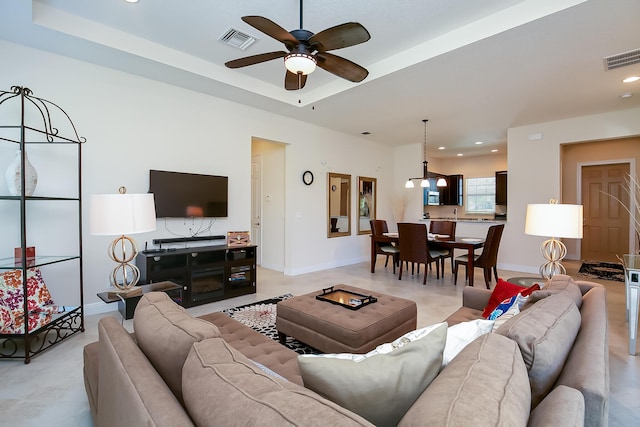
[424,180]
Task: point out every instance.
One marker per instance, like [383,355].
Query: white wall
[534,175]
[134,124]
[535,171]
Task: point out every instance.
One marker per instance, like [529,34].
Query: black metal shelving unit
[40,331]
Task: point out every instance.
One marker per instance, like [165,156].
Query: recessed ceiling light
[459,154]
[441,148]
[132,1]
[626,95]
[494,151]
[479,142]
[631,79]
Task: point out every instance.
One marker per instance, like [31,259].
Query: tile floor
[50,390]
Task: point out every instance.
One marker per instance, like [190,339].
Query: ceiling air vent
[622,59]
[237,39]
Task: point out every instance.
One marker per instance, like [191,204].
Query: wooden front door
[606,221]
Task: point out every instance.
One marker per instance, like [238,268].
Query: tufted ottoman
[332,328]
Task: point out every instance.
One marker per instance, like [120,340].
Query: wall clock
[307,177]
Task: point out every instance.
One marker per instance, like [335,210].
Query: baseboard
[99,308]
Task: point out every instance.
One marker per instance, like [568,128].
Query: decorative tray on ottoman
[344,298]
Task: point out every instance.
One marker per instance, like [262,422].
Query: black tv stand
[206,273]
[188,239]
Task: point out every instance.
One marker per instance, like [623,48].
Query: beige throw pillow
[380,388]
[222,387]
[559,284]
[545,334]
[165,333]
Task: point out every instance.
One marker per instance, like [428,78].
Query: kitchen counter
[483,220]
[469,227]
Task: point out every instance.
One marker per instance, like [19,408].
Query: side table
[632,284]
[127,304]
[528,281]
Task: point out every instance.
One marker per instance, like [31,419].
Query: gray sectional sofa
[177,370]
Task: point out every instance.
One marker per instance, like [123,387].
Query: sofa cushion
[222,387]
[504,290]
[480,387]
[165,333]
[560,283]
[587,367]
[361,386]
[564,406]
[545,333]
[130,390]
[257,346]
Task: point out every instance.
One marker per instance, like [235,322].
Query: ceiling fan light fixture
[300,63]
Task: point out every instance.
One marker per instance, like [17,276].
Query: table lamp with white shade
[553,220]
[118,215]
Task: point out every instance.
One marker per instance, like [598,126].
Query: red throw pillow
[504,290]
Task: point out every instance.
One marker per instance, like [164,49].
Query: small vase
[13,176]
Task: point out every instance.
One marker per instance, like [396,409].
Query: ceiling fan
[306,50]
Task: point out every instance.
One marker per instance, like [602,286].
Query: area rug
[261,317]
[602,271]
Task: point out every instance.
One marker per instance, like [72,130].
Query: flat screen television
[186,195]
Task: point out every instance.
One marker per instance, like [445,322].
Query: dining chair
[487,259]
[378,228]
[447,228]
[414,248]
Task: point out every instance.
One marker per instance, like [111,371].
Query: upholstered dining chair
[379,227]
[414,248]
[487,259]
[447,228]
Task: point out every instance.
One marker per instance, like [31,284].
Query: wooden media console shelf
[206,273]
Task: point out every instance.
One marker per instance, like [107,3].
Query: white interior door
[256,204]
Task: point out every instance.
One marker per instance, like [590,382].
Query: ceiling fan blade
[271,29]
[294,81]
[341,67]
[255,59]
[340,36]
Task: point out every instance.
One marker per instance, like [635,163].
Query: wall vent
[622,60]
[237,39]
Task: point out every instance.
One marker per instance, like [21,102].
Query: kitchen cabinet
[501,188]
[442,196]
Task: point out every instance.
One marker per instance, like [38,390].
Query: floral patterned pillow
[12,298]
[7,319]
[11,290]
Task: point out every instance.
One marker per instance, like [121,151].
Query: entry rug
[602,270]
[261,317]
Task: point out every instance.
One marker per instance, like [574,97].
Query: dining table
[470,244]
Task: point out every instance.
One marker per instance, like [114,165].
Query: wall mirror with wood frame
[339,205]
[366,203]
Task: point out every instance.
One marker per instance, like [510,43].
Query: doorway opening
[268,202]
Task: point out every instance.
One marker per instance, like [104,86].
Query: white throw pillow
[462,334]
